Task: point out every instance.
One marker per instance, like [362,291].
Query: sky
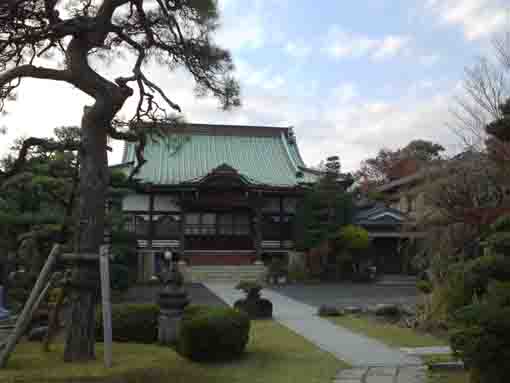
[350,77]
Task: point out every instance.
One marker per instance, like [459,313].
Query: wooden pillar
[281,222]
[151,221]
[141,274]
[258,228]
[182,246]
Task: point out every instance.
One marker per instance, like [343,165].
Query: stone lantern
[172,300]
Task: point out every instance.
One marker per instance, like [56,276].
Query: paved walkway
[406,374]
[424,351]
[355,349]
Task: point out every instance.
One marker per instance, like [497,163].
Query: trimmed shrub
[253,305]
[255,308]
[213,333]
[467,281]
[120,277]
[481,337]
[329,311]
[136,323]
[354,237]
[424,286]
[387,310]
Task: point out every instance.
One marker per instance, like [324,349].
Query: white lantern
[168,255]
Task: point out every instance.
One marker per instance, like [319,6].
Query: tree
[175,34]
[350,245]
[380,168]
[486,91]
[325,207]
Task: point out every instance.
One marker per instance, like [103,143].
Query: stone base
[168,326]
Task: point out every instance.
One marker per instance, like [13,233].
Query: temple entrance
[230,230]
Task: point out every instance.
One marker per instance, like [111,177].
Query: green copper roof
[262,155]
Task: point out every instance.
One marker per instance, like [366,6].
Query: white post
[104,265]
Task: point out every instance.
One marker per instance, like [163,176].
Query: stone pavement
[405,374]
[355,349]
[423,351]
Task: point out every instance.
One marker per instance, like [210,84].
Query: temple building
[216,195]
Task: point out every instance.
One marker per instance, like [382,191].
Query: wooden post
[24,319]
[41,297]
[104,265]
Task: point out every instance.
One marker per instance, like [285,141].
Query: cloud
[340,121]
[339,44]
[255,77]
[477,18]
[298,49]
[390,46]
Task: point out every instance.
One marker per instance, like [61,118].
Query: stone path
[403,374]
[355,349]
[423,351]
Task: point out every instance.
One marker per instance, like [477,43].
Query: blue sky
[351,77]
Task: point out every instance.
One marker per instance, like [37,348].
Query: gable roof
[379,215]
[262,155]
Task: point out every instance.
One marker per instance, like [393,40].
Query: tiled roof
[263,155]
[378,215]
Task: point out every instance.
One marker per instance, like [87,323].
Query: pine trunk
[84,295]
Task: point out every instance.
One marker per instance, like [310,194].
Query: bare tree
[486,88]
[36,35]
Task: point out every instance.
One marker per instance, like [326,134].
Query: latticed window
[166,226]
[271,205]
[192,224]
[137,224]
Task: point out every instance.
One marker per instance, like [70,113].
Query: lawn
[274,354]
[390,334]
[448,377]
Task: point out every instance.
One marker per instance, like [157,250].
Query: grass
[274,355]
[448,377]
[391,334]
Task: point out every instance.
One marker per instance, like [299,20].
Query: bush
[424,286]
[467,281]
[120,277]
[136,323]
[251,289]
[213,333]
[354,237]
[253,305]
[388,310]
[329,311]
[481,337]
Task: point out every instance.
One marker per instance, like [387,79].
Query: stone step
[223,268]
[226,273]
